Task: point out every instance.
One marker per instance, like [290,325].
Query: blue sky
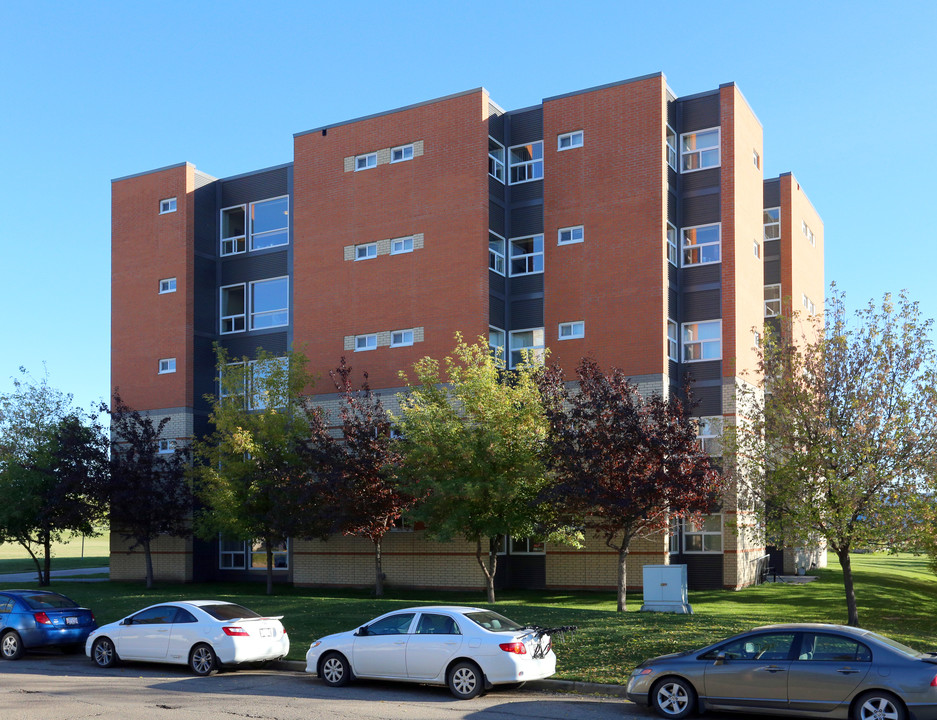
[93,91]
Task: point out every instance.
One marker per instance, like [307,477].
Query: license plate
[71,621]
[266,632]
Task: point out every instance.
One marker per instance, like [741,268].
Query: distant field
[92,552]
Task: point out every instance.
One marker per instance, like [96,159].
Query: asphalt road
[51,686]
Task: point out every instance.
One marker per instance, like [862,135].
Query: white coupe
[466,648]
[203,634]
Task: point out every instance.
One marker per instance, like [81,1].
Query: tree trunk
[490,568]
[149,563]
[26,544]
[846,563]
[378,570]
[47,546]
[622,577]
[269,568]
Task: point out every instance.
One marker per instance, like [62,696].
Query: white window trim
[577,330]
[717,146]
[683,246]
[166,447]
[368,248]
[221,553]
[234,238]
[673,341]
[403,244]
[809,305]
[671,149]
[243,315]
[772,224]
[525,163]
[535,351]
[263,568]
[572,136]
[773,300]
[502,256]
[570,229]
[500,361]
[498,164]
[170,366]
[248,228]
[250,304]
[672,239]
[684,343]
[167,285]
[531,255]
[403,151]
[367,337]
[367,157]
[704,533]
[756,249]
[167,205]
[403,342]
[514,551]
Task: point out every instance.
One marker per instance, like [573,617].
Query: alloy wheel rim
[879,708]
[201,659]
[102,653]
[672,698]
[464,681]
[333,670]
[9,645]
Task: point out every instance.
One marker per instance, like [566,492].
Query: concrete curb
[566,686]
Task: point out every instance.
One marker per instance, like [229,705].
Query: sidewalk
[69,575]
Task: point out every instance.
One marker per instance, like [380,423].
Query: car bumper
[510,668]
[43,637]
[256,650]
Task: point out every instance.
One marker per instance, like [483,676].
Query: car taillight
[42,618]
[933,683]
[234,630]
[518,648]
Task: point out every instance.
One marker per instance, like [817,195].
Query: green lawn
[94,552]
[897,596]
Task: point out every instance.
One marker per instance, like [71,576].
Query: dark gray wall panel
[526,314]
[672,114]
[254,266]
[206,216]
[703,572]
[708,398]
[674,372]
[532,190]
[699,113]
[496,312]
[700,209]
[703,305]
[672,303]
[772,249]
[704,374]
[496,282]
[702,274]
[246,344]
[259,186]
[206,296]
[495,125]
[526,220]
[526,284]
[495,188]
[526,126]
[772,193]
[496,218]
[672,275]
[672,207]
[204,370]
[700,179]
[772,272]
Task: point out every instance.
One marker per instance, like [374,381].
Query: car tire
[103,653]
[465,680]
[878,704]
[673,698]
[202,660]
[11,645]
[334,670]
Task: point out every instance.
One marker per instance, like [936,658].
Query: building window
[772,300]
[572,330]
[233,230]
[699,150]
[166,447]
[496,253]
[756,158]
[530,341]
[701,245]
[709,435]
[366,251]
[672,343]
[671,148]
[704,536]
[167,365]
[233,309]
[808,233]
[756,340]
[270,303]
[401,338]
[257,376]
[702,341]
[366,162]
[398,246]
[270,223]
[570,235]
[401,153]
[496,344]
[526,162]
[772,220]
[527,255]
[168,285]
[568,141]
[809,306]
[280,554]
[671,244]
[167,206]
[756,248]
[232,554]
[495,159]
[527,546]
[365,342]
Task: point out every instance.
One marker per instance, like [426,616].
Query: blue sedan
[40,618]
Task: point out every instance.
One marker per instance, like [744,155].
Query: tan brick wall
[172,559]
[595,566]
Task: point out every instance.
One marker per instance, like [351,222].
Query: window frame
[684,248]
[710,442]
[536,351]
[684,153]
[170,366]
[403,240]
[368,164]
[572,137]
[756,249]
[495,162]
[530,545]
[572,235]
[684,343]
[773,223]
[165,446]
[402,149]
[772,300]
[573,326]
[673,250]
[167,285]
[167,205]
[368,247]
[285,309]
[529,258]
[673,341]
[403,342]
[670,144]
[367,337]
[808,304]
[259,548]
[242,314]
[494,256]
[500,359]
[249,228]
[238,242]
[703,534]
[530,167]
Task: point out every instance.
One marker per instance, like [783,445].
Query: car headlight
[315,644]
[641,671]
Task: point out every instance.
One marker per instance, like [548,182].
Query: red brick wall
[146,326]
[443,194]
[615,186]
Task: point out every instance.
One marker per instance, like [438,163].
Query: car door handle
[400,642]
[846,671]
[163,630]
[772,668]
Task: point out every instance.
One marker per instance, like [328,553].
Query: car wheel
[673,698]
[465,680]
[878,705]
[334,670]
[11,646]
[103,653]
[202,660]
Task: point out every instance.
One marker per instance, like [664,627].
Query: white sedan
[203,634]
[466,648]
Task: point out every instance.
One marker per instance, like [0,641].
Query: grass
[68,555]
[897,596]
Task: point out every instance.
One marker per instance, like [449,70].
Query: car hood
[659,658]
[334,638]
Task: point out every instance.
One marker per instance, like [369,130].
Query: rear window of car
[492,621]
[229,611]
[895,645]
[41,601]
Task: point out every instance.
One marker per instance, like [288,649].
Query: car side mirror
[720,658]
[362,631]
[127,621]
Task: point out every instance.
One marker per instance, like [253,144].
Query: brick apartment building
[620,222]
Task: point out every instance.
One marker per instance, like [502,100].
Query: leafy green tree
[472,440]
[148,491]
[623,464]
[264,472]
[843,441]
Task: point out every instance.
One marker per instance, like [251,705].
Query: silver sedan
[805,669]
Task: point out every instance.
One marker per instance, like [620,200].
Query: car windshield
[43,601]
[229,611]
[492,621]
